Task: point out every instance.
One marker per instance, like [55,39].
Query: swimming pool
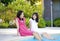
[57,36]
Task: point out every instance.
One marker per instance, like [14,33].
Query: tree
[6,2]
[13,7]
[2,11]
[26,7]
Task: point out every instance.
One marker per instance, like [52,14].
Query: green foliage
[57,22]
[6,1]
[48,23]
[4,25]
[2,11]
[33,1]
[12,26]
[9,12]
[2,7]
[41,23]
[10,15]
[26,7]
[27,21]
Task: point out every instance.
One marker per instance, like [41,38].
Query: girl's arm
[17,24]
[30,23]
[24,20]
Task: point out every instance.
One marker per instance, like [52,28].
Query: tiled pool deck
[10,34]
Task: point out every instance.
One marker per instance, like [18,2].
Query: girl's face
[34,16]
[22,15]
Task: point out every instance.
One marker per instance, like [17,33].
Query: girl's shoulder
[30,19]
[24,19]
[16,18]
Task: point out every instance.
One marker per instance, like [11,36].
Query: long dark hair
[19,14]
[35,13]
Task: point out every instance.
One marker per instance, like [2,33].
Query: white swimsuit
[34,26]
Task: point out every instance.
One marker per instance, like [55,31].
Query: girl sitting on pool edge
[22,28]
[33,22]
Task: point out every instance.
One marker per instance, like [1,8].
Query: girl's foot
[52,38]
[40,40]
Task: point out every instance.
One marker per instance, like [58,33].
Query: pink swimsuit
[23,28]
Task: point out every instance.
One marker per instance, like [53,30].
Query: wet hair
[19,14]
[35,13]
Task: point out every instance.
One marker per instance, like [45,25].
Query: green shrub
[12,26]
[12,8]
[57,22]
[48,23]
[27,22]
[41,23]
[6,1]
[2,11]
[4,25]
[2,7]
[26,7]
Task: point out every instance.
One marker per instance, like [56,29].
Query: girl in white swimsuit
[34,26]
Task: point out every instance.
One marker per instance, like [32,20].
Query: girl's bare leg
[37,36]
[17,33]
[47,36]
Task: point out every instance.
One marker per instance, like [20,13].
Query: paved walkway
[11,34]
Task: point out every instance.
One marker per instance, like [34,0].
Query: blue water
[44,39]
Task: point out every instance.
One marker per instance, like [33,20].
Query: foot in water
[52,38]
[39,40]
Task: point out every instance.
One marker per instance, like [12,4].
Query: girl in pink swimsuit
[22,28]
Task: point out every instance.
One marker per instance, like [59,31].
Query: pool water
[44,39]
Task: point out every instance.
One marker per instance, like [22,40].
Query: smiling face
[34,16]
[22,15]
